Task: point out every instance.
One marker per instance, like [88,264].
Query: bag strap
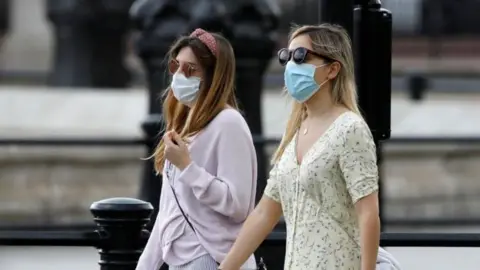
[181,209]
[183,212]
[261,265]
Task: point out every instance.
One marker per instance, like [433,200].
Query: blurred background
[430,170]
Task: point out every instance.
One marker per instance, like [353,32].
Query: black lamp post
[90,39]
[373,69]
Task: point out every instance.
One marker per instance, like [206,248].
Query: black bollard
[417,84]
[90,42]
[121,228]
[373,70]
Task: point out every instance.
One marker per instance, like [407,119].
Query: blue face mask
[300,80]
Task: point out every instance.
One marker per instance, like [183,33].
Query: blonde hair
[333,42]
[217,91]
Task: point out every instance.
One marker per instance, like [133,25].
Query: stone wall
[57,185]
[438,181]
[40,185]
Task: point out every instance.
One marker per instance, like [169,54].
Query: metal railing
[106,141]
[259,140]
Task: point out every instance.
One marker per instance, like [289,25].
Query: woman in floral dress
[325,177]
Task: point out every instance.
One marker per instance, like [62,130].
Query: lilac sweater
[216,191]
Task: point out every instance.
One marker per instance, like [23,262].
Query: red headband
[207,39]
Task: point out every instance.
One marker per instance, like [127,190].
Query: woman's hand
[255,229]
[176,150]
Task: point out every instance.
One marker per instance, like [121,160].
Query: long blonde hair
[216,93]
[333,42]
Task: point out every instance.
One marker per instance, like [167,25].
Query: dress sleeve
[358,161]
[272,190]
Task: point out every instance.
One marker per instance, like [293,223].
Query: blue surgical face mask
[300,80]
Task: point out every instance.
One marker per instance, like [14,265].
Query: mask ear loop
[322,65]
[326,80]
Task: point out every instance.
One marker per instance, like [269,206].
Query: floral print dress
[318,195]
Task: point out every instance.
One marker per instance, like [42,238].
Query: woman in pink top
[207,159]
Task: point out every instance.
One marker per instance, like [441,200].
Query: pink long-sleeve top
[216,192]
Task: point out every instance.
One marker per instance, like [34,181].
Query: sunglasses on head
[298,55]
[185,67]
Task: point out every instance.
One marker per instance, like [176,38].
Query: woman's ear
[334,70]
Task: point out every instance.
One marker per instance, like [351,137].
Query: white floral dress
[318,195]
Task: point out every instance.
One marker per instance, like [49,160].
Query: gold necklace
[305,130]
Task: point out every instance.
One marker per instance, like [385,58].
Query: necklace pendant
[305,131]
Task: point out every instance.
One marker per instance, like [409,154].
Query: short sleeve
[358,161]
[272,190]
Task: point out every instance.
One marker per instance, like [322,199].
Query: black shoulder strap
[181,209]
[261,265]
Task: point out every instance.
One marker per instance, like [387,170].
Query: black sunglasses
[298,55]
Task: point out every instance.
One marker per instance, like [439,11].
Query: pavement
[84,258]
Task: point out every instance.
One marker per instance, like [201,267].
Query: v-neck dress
[318,195]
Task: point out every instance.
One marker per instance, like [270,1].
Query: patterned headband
[207,39]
